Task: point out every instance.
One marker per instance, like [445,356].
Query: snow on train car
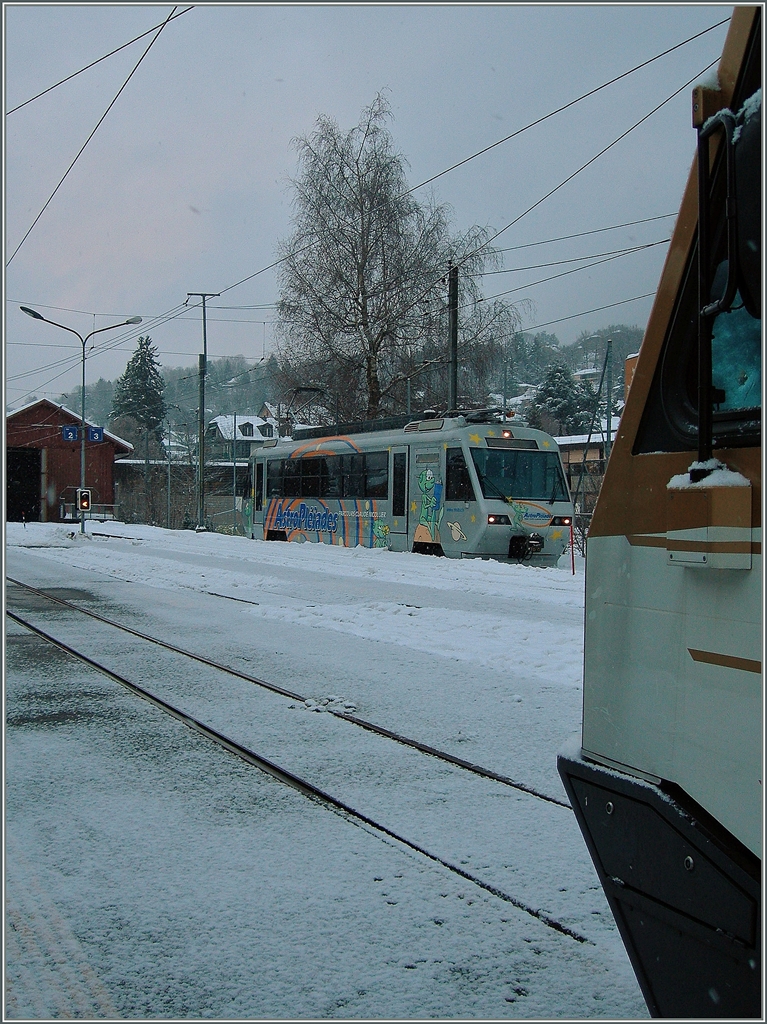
[461,485]
[667,786]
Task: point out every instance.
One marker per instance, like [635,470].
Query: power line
[565,273]
[593,231]
[519,131]
[566,106]
[592,160]
[164,318]
[596,309]
[82,148]
[626,251]
[95,62]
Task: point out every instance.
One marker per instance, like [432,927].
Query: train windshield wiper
[486,480]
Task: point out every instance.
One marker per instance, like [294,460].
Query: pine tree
[138,394]
[561,403]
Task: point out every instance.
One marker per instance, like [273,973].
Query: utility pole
[203,365]
[609,435]
[452,302]
[234,476]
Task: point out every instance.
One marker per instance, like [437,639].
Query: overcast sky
[184,187]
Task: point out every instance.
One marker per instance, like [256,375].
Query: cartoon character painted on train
[380,534]
[427,531]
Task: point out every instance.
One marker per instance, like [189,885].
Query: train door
[259,476]
[427,493]
[399,499]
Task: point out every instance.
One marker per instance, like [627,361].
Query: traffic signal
[83,500]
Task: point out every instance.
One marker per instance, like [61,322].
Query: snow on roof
[225,424]
[597,434]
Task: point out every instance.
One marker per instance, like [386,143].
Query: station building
[42,464]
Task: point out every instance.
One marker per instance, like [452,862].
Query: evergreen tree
[562,405]
[138,394]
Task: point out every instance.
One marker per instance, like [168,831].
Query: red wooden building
[42,465]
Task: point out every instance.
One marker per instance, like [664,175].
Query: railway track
[288,778]
[354,720]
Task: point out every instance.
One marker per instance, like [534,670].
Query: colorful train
[465,486]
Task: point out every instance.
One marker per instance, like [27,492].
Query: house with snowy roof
[238,435]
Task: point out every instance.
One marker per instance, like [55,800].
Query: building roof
[75,416]
[225,425]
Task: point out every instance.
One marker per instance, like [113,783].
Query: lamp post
[39,316]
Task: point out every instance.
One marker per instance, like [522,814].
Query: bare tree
[362,306]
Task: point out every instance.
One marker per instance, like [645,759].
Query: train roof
[454,418]
[388,433]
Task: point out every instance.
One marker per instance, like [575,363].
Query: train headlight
[561,521]
[506,433]
[498,520]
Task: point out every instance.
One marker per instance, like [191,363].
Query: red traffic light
[83,500]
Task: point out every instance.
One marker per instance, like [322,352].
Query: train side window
[291,478]
[274,478]
[332,486]
[458,486]
[377,475]
[311,477]
[670,418]
[353,468]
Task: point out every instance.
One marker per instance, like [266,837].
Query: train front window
[520,475]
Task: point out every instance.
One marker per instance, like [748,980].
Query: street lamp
[39,316]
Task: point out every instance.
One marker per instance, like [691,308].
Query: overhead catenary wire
[93,63]
[592,159]
[519,131]
[566,106]
[93,132]
[592,231]
[626,251]
[164,318]
[566,273]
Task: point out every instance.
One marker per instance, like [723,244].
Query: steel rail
[362,723]
[294,781]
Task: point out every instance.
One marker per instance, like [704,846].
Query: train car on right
[667,787]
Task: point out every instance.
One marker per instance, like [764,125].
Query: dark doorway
[22,484]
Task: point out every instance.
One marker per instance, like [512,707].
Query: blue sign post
[69,433]
[95,433]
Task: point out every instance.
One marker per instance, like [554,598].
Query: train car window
[274,478]
[458,485]
[332,486]
[377,475]
[353,470]
[311,477]
[399,499]
[291,478]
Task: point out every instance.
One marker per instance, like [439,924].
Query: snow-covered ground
[149,874]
